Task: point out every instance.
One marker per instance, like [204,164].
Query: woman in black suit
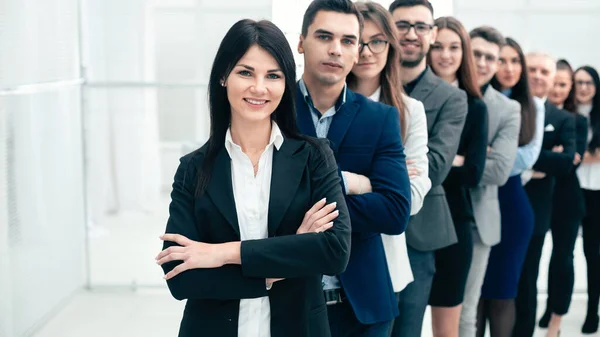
[243,244]
[451,58]
[569,210]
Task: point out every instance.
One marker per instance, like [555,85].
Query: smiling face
[540,72]
[255,86]
[330,47]
[486,56]
[414,41]
[370,64]
[509,68]
[585,90]
[446,54]
[563,82]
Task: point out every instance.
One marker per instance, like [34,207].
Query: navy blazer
[365,139]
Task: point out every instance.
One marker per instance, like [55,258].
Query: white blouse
[588,174]
[415,147]
[251,194]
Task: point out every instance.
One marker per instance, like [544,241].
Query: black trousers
[561,274]
[526,301]
[591,247]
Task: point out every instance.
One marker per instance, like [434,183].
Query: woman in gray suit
[377,76]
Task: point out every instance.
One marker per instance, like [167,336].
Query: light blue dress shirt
[322,124]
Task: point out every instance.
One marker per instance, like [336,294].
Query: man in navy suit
[365,137]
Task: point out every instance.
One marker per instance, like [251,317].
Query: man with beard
[446,109]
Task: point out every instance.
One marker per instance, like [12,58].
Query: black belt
[334,296]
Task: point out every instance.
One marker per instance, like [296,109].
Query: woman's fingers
[171,257]
[324,227]
[172,249]
[323,212]
[176,271]
[177,238]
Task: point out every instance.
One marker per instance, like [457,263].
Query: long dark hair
[595,113]
[569,103]
[390,79]
[240,37]
[520,93]
[466,71]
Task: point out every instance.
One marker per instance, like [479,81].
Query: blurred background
[100,98]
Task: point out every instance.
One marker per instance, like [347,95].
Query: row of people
[421,174]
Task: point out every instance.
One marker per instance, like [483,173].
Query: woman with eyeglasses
[451,59]
[377,76]
[569,210]
[499,290]
[587,100]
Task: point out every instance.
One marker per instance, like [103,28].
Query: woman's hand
[319,218]
[195,254]
[413,171]
[558,149]
[458,161]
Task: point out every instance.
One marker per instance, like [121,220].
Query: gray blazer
[504,127]
[446,110]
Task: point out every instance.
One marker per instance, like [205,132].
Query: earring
[222,83]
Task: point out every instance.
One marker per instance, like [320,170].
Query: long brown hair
[390,80]
[521,93]
[466,72]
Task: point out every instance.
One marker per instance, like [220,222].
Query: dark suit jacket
[301,175]
[559,130]
[473,146]
[365,137]
[446,110]
[568,196]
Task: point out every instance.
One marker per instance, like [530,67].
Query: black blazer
[302,175]
[473,146]
[568,196]
[559,130]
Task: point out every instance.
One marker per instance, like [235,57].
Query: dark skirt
[506,258]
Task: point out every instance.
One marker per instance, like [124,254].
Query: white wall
[565,29]
[41,171]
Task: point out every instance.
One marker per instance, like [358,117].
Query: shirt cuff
[345,183]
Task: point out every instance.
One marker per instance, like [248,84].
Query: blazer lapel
[341,121]
[288,165]
[424,87]
[220,189]
[303,117]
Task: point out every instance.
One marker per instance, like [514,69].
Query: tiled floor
[129,297]
[154,313]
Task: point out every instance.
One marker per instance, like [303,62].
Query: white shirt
[251,194]
[415,147]
[588,174]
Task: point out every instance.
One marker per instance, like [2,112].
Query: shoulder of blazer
[373,108]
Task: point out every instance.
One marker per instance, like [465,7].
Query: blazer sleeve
[555,163]
[501,157]
[416,149]
[528,154]
[445,136]
[476,133]
[201,283]
[307,254]
[387,209]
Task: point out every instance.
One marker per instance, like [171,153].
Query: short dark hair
[338,6]
[410,3]
[490,34]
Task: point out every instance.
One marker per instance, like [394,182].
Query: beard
[413,63]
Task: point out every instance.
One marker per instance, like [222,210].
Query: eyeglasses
[489,58]
[375,46]
[421,28]
[584,83]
